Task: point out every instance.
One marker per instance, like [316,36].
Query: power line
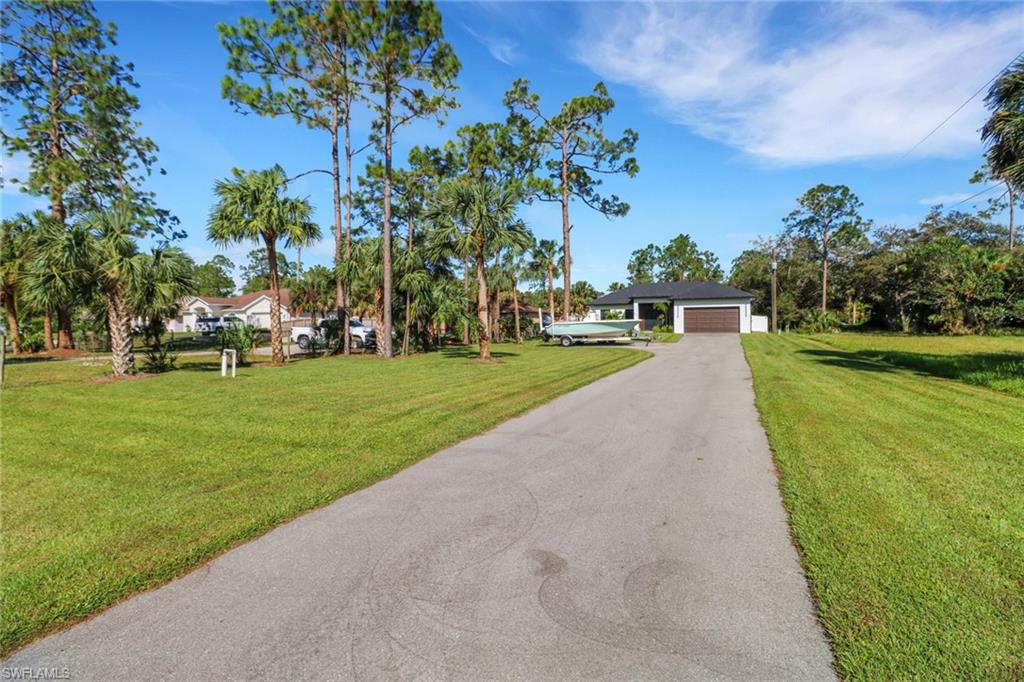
[975,195]
[964,104]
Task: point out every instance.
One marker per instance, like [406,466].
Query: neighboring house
[251,308]
[688,307]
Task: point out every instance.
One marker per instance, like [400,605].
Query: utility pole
[775,270]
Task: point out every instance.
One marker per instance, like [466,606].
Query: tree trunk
[551,291]
[495,311]
[515,310]
[276,344]
[1009,191]
[47,331]
[65,338]
[11,308]
[119,327]
[339,285]
[465,287]
[824,276]
[384,338]
[566,258]
[408,295]
[481,301]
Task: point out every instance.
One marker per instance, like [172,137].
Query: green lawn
[110,488]
[993,361]
[906,497]
[665,337]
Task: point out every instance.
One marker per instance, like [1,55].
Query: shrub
[160,358]
[820,322]
[242,338]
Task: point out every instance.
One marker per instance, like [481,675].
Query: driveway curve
[630,529]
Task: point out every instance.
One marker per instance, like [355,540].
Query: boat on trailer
[592,331]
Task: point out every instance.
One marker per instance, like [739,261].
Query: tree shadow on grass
[847,360]
[974,368]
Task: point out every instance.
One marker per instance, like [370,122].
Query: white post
[224,362]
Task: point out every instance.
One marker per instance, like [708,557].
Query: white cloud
[505,50]
[944,199]
[859,81]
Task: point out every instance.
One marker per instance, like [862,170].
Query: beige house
[253,308]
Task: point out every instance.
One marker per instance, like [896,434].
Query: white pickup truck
[360,334]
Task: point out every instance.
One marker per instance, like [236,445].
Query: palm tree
[119,271]
[516,267]
[477,216]
[15,252]
[546,257]
[60,271]
[414,279]
[252,207]
[1004,133]
[165,279]
[315,292]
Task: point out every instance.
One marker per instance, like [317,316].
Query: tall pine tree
[74,106]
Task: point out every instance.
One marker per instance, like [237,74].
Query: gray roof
[671,290]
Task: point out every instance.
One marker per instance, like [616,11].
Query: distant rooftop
[677,291]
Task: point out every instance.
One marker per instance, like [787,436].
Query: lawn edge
[793,540]
[202,557]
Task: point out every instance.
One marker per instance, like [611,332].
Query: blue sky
[739,107]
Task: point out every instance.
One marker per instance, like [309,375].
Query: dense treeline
[953,273]
[430,246]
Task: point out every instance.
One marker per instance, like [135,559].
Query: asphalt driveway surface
[631,529]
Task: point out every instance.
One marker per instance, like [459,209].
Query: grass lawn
[905,497]
[993,361]
[666,337]
[111,488]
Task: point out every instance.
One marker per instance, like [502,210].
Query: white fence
[758,323]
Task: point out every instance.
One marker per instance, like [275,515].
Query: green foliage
[243,338]
[583,292]
[819,321]
[213,278]
[642,265]
[159,357]
[578,150]
[679,260]
[1004,130]
[572,155]
[252,206]
[76,111]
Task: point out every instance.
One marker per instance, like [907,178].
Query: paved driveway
[631,529]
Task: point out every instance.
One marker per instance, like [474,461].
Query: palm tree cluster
[93,265]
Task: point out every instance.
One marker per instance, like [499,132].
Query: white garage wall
[742,303]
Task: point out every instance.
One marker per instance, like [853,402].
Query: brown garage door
[704,320]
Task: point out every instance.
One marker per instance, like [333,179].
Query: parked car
[362,335]
[212,325]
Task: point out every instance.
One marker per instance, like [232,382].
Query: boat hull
[591,330]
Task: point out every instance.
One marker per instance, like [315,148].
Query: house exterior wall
[258,314]
[597,312]
[742,303]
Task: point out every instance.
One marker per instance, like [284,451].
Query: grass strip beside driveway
[904,494]
[993,361]
[112,488]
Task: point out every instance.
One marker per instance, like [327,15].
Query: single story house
[252,308]
[689,307]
